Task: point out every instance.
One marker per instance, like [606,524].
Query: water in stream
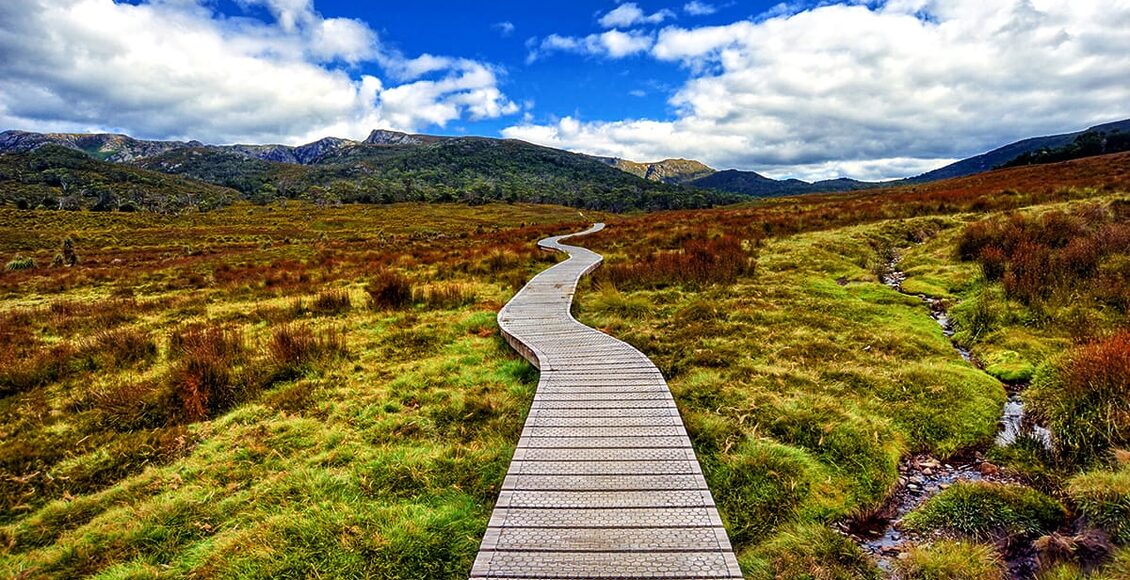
[921,477]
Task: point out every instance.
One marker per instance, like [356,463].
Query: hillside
[56,177]
[389,167]
[757,185]
[1003,155]
[674,171]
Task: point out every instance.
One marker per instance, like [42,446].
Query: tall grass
[1084,398]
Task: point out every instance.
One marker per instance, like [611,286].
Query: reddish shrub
[1085,399]
[389,290]
[203,379]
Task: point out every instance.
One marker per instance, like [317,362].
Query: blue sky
[870,89]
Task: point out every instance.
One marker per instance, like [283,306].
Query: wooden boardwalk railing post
[604,483]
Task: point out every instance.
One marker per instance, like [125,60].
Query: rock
[927,471]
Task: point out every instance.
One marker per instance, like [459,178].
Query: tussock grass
[1104,498]
[952,560]
[985,510]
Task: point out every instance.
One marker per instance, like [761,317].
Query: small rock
[917,479]
[927,471]
[912,486]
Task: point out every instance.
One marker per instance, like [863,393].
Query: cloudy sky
[866,89]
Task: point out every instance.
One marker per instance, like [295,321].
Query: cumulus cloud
[610,44]
[630,14]
[697,8]
[177,69]
[875,90]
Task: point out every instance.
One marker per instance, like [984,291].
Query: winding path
[604,483]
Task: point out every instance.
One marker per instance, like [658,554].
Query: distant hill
[757,185]
[388,167]
[57,177]
[674,171]
[1003,155]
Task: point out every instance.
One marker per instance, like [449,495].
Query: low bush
[20,263]
[331,302]
[293,348]
[389,290]
[203,378]
[951,560]
[445,296]
[984,510]
[123,346]
[1104,498]
[1084,399]
[809,551]
[700,262]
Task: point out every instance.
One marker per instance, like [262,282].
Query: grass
[983,510]
[1103,496]
[333,397]
[235,413]
[951,560]
[1084,398]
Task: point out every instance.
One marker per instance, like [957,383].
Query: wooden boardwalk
[604,483]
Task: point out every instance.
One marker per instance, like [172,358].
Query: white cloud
[875,90]
[696,8]
[504,28]
[630,14]
[610,44]
[177,69]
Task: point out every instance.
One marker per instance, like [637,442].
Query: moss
[985,510]
[1008,366]
[951,560]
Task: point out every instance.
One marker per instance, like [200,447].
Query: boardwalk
[604,483]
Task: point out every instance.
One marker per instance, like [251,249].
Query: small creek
[922,477]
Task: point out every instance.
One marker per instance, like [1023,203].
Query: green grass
[1104,498]
[805,381]
[984,510]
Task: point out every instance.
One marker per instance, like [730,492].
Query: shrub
[20,263]
[37,368]
[1084,398]
[293,348]
[389,290]
[700,262]
[331,302]
[203,378]
[445,296]
[120,347]
[984,510]
[950,560]
[1104,497]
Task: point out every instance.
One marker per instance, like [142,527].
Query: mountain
[57,177]
[388,166]
[754,184]
[1003,155]
[674,171]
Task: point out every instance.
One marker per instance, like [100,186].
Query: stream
[922,476]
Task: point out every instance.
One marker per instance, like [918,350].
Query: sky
[868,89]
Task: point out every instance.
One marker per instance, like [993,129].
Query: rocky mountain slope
[675,171]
